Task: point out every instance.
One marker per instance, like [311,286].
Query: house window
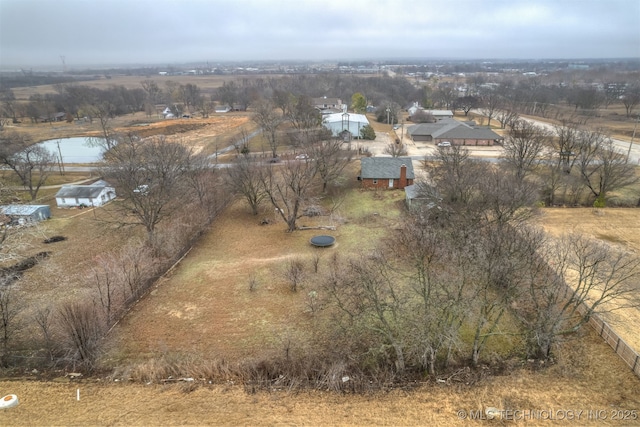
[375,181]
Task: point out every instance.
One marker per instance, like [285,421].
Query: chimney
[403,176]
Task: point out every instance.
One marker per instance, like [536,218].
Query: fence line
[621,348]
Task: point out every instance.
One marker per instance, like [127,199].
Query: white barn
[339,122]
[96,194]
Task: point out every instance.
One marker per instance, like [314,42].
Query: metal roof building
[26,212]
[340,122]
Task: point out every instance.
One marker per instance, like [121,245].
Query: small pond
[74,150]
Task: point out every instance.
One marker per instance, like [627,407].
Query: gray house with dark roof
[96,194]
[458,133]
[386,172]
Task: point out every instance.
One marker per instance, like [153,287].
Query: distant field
[206,83]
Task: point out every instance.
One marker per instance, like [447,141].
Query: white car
[444,144]
[142,189]
[302,157]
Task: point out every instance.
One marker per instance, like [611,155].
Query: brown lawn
[589,379]
[618,226]
[205,308]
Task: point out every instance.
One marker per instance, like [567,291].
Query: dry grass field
[590,380]
[198,132]
[619,226]
[206,83]
[209,292]
[205,308]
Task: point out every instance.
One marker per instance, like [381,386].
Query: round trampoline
[323,241]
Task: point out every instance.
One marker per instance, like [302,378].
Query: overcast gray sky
[98,32]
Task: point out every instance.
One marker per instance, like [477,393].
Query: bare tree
[368,297]
[456,174]
[202,180]
[150,175]
[466,103]
[602,167]
[228,93]
[445,95]
[565,146]
[152,91]
[108,292]
[282,99]
[268,119]
[244,177]
[421,116]
[631,98]
[294,273]
[558,161]
[33,164]
[396,150]
[524,146]
[439,309]
[571,279]
[507,116]
[303,115]
[329,159]
[289,186]
[10,306]
[206,106]
[104,111]
[190,95]
[9,106]
[490,102]
[82,329]
[43,318]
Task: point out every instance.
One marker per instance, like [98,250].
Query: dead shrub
[82,329]
[294,273]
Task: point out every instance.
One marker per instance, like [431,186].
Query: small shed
[26,213]
[96,194]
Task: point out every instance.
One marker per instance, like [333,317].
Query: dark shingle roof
[82,191]
[385,167]
[79,191]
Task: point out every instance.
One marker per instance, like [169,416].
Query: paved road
[622,145]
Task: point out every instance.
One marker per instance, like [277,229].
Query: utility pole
[61,163]
[632,137]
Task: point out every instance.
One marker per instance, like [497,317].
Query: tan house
[324,103]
